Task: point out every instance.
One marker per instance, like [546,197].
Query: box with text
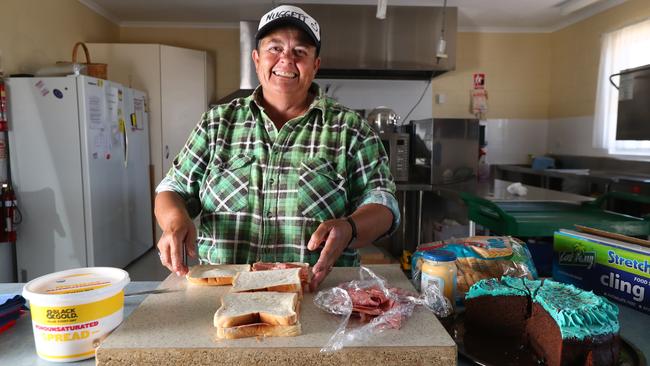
[616,269]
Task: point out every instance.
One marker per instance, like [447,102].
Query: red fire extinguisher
[8,213]
[3,107]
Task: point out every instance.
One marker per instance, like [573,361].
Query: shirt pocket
[321,190]
[226,188]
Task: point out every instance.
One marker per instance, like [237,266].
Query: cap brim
[287,21]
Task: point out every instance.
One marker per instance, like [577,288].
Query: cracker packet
[479,257]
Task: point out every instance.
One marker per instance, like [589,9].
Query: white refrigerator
[79,152]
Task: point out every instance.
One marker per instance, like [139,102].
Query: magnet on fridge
[134,120]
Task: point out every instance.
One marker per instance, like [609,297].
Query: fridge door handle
[125,142]
[166,151]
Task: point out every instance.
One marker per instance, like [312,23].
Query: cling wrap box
[612,268]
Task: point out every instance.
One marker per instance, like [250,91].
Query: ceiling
[473,15]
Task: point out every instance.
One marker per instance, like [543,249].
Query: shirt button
[271,181]
[269,214]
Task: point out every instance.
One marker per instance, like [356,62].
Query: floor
[147,268]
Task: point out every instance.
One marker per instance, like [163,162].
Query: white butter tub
[74,310]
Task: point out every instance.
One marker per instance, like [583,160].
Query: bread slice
[215,274]
[279,280]
[305,274]
[250,308]
[260,329]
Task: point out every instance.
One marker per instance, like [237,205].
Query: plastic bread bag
[377,305]
[480,257]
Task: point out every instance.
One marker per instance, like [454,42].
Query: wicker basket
[97,70]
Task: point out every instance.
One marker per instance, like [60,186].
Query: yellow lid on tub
[76,286]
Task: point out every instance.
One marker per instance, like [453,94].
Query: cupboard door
[183,99]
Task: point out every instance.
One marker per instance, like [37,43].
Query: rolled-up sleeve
[369,177]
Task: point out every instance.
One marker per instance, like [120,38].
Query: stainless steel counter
[592,174]
[495,190]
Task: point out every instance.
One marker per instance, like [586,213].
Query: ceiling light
[381,9]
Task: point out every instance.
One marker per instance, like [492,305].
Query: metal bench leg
[420,217]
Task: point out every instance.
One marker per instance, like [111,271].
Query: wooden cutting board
[175,328]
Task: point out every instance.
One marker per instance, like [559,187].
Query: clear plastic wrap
[480,257]
[395,307]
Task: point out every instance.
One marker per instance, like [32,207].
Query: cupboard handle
[166,151]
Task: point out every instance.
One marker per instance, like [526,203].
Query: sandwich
[215,274]
[304,269]
[251,314]
[278,280]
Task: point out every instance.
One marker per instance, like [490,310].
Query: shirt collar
[255,99]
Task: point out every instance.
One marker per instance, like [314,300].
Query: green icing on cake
[578,313]
[506,286]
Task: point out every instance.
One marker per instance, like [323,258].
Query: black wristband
[354,231]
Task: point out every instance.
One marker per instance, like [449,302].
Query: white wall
[572,136]
[510,141]
[400,95]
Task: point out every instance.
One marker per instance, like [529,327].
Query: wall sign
[479,81]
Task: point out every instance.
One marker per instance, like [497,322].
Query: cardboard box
[449,229]
[372,254]
[613,268]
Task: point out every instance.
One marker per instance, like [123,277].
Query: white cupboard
[180,86]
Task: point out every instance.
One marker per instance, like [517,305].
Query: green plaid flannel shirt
[264,191]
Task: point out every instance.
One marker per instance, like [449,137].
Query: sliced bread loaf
[256,330]
[304,269]
[215,274]
[279,280]
[249,308]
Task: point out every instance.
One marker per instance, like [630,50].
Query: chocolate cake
[563,325]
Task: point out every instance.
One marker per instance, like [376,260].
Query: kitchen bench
[175,328]
[17,344]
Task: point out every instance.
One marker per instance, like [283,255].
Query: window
[622,49]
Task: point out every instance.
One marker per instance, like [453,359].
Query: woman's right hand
[178,232]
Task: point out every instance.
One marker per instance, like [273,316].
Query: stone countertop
[495,190]
[176,328]
[17,344]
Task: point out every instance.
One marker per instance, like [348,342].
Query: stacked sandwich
[260,303]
